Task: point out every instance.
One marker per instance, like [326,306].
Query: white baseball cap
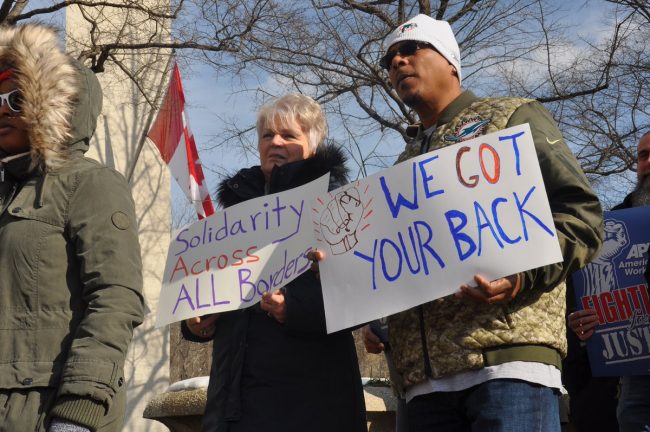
[423,28]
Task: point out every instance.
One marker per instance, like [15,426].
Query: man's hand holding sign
[500,290]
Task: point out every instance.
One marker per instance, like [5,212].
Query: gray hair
[295,108]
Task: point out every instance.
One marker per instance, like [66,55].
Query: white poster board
[417,231]
[228,260]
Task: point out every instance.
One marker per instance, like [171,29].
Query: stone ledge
[379,399]
[179,403]
[182,411]
[192,402]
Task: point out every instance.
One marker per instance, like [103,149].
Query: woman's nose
[277,139]
[4,108]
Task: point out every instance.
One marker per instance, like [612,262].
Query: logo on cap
[407,27]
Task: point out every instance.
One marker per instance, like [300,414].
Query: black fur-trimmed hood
[249,182]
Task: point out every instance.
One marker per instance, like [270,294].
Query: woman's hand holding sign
[203,326]
[315,256]
[274,305]
[583,323]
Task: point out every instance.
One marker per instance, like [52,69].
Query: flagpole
[143,139]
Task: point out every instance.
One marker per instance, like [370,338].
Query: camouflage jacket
[448,336]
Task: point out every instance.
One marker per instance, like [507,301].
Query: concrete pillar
[118,133]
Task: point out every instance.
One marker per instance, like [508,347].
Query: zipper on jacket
[5,201]
[4,161]
[425,351]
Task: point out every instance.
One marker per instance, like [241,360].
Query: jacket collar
[465,99]
[249,182]
[18,166]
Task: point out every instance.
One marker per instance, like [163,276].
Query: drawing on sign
[601,275]
[340,219]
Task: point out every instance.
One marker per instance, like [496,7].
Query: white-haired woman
[274,367]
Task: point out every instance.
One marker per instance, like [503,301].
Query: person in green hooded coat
[70,266]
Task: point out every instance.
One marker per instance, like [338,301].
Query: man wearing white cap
[488,358]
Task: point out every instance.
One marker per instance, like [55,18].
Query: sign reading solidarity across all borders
[228,260]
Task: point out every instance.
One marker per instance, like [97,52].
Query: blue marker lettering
[522,211]
[401,201]
[515,147]
[371,260]
[425,245]
[426,179]
[383,260]
[406,253]
[458,235]
[502,233]
[480,214]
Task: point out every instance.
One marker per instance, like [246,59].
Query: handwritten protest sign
[228,260]
[614,286]
[417,231]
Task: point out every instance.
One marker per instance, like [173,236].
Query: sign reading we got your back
[228,260]
[417,231]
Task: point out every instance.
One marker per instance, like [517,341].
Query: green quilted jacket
[448,336]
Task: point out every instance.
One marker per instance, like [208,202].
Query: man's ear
[454,73]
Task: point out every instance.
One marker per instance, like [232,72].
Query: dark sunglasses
[407,48]
[13,99]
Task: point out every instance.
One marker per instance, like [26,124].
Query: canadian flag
[172,135]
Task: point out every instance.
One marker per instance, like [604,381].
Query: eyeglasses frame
[386,60]
[4,98]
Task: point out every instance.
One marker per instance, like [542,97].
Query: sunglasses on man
[405,49]
[13,99]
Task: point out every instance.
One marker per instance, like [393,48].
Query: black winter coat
[289,377]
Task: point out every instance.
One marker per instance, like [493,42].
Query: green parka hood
[61,98]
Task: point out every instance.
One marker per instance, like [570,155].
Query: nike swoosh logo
[552,142]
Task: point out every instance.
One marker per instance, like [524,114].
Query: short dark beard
[412,101]
[640,196]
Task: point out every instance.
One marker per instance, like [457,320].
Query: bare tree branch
[153,13]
